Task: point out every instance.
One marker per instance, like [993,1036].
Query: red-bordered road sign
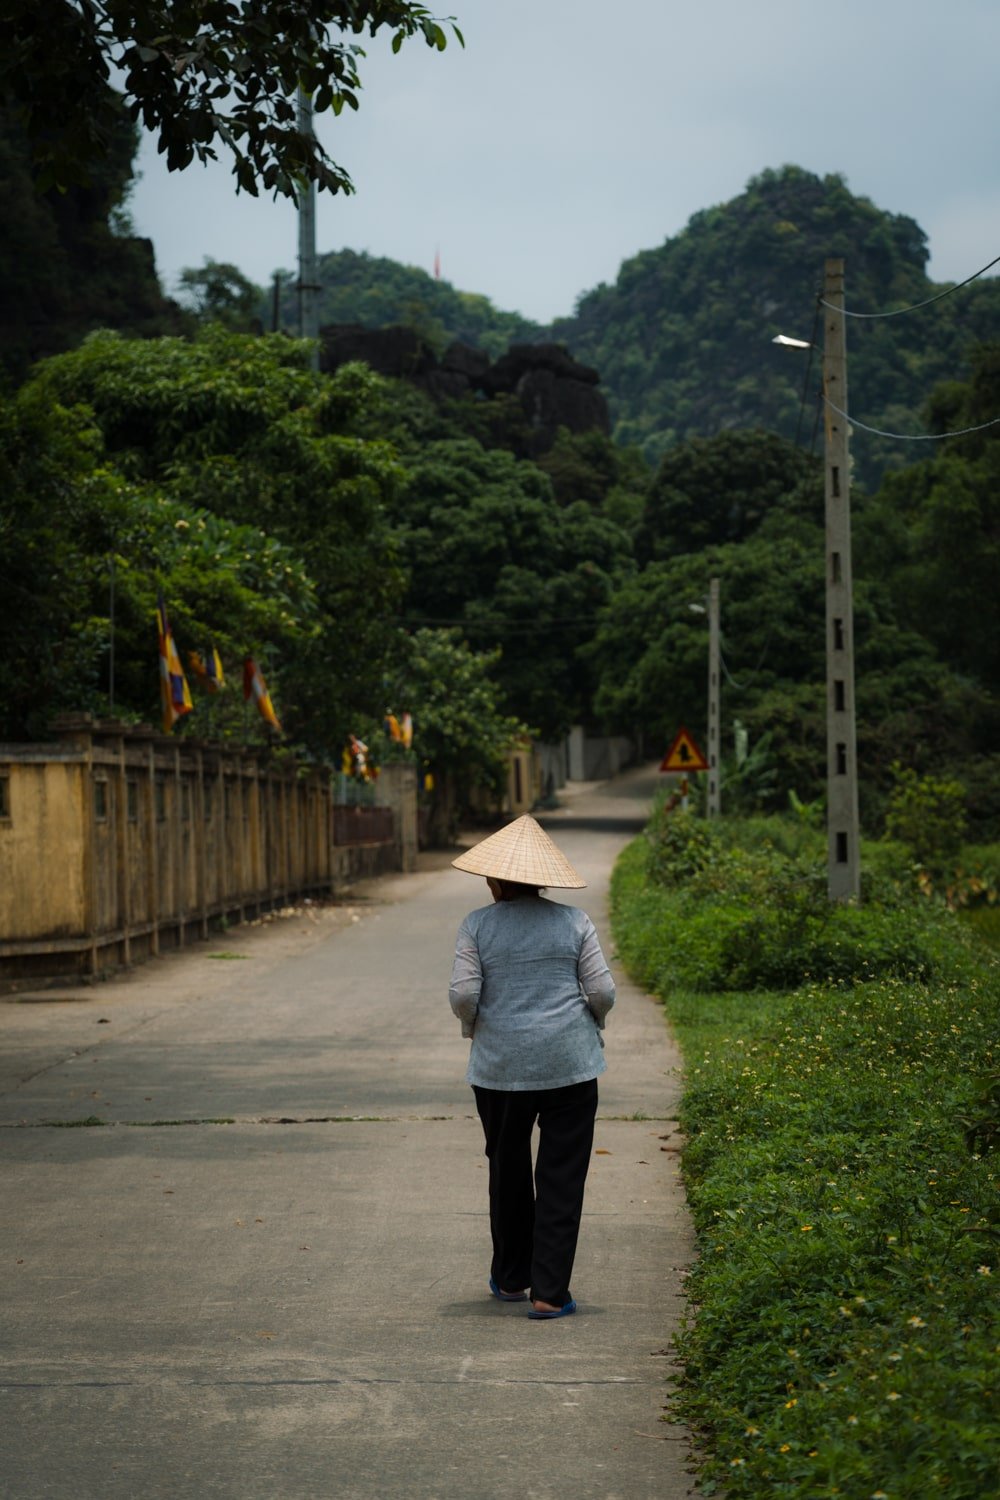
[684,755]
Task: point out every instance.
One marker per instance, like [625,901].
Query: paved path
[293,1306]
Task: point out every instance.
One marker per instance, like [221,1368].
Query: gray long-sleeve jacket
[532,988]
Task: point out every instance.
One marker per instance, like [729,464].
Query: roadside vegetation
[842,1114]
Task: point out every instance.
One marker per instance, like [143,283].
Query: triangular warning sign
[684,755]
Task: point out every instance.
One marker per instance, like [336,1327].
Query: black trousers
[535,1220]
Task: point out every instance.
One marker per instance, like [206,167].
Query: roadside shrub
[679,846]
[927,814]
[841,1161]
[728,908]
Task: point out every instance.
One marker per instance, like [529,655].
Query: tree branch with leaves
[198,74]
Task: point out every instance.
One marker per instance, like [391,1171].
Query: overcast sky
[571,134]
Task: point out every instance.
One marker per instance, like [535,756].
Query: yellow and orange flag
[255,687]
[175,695]
[207,669]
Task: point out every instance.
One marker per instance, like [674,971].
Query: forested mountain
[683,338]
[377,292]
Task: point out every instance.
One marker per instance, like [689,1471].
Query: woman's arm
[466,979]
[595,976]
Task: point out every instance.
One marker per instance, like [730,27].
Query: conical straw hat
[523,852]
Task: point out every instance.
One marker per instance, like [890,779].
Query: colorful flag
[406,730]
[392,728]
[359,757]
[255,687]
[175,695]
[207,669]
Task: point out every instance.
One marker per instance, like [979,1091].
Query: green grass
[841,1168]
[984,920]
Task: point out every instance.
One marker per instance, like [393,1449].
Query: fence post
[397,788]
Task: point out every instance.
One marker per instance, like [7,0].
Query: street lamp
[843,823]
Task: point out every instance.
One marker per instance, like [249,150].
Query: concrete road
[265,1276]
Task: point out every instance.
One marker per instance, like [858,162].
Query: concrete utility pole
[714,789]
[308,286]
[843,829]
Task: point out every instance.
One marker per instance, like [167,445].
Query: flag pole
[111,640]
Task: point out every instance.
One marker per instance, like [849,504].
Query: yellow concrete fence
[117,841]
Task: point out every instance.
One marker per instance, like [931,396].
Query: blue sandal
[554,1312]
[506,1296]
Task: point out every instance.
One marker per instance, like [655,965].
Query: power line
[899,311]
[500,626]
[739,686]
[910,437]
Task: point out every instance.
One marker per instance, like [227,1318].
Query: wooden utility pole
[308,286]
[843,828]
[714,805]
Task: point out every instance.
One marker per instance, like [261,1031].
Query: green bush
[927,814]
[743,906]
[841,1165]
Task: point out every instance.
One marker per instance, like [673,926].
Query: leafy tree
[198,75]
[488,548]
[220,293]
[927,814]
[462,733]
[650,652]
[239,427]
[649,657]
[709,491]
[588,466]
[934,528]
[65,516]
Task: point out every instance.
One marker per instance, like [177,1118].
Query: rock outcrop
[551,388]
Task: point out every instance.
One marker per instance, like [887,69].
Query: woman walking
[531,987]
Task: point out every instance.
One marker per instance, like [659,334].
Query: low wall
[117,842]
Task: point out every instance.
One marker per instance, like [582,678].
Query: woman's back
[535,976]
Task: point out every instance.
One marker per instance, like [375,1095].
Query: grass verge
[841,1170]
